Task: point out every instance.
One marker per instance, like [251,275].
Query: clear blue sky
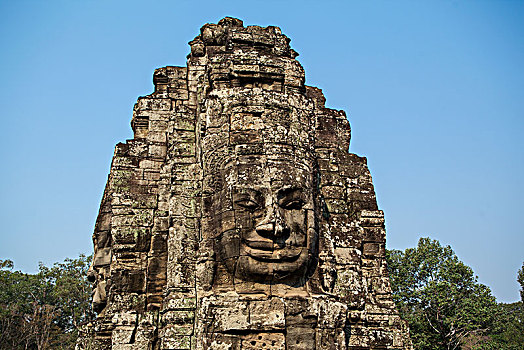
[434,91]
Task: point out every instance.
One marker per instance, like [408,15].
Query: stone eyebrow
[249,190]
[287,191]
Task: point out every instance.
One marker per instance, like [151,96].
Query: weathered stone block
[300,338]
[267,314]
[128,281]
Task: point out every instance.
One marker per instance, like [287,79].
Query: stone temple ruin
[236,218]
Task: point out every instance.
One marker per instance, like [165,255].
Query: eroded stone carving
[262,216]
[236,218]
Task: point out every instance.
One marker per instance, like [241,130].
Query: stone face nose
[266,229]
[273,226]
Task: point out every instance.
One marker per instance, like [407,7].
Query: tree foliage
[439,296]
[508,328]
[44,310]
[446,307]
[508,325]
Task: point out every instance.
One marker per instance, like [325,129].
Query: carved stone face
[98,273]
[266,225]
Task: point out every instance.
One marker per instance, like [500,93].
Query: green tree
[439,296]
[508,328]
[44,310]
[21,314]
[507,332]
[70,295]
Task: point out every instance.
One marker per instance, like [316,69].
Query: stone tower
[236,218]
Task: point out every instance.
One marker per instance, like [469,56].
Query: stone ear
[205,273]
[327,272]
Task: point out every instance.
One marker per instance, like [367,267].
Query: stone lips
[236,218]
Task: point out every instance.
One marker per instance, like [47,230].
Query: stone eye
[293,204]
[247,204]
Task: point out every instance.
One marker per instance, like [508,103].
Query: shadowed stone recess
[236,218]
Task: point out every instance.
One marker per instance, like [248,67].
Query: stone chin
[252,269]
[99,297]
[256,261]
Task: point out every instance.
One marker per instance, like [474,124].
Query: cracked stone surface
[236,218]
